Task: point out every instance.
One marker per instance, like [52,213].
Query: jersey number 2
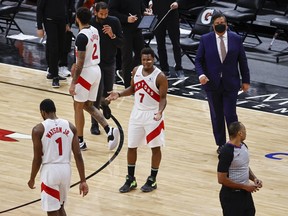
[94,55]
[59,142]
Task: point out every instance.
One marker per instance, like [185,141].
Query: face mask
[220,28]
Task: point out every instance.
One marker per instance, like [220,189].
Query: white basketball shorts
[143,129]
[88,83]
[55,184]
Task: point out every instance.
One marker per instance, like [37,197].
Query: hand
[245,87]
[203,79]
[40,33]
[251,188]
[112,96]
[174,5]
[107,30]
[72,89]
[68,28]
[157,116]
[83,188]
[31,183]
[148,12]
[132,18]
[258,183]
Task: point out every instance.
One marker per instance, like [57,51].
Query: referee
[234,174]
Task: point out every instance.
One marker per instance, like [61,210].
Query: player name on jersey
[55,130]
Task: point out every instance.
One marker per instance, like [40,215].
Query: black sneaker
[83,146]
[50,77]
[150,184]
[55,83]
[129,185]
[106,111]
[95,129]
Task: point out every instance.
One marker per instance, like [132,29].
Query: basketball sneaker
[50,77]
[150,184]
[129,185]
[113,138]
[83,146]
[55,82]
[64,72]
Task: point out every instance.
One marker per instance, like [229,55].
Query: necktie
[222,48]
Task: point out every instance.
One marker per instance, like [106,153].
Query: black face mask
[220,28]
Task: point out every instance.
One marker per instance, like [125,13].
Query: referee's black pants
[236,202]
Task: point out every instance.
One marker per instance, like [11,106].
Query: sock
[131,170]
[80,139]
[107,129]
[154,172]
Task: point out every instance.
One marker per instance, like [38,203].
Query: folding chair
[8,11]
[243,15]
[281,24]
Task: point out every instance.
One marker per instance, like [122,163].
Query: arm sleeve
[225,159]
[81,42]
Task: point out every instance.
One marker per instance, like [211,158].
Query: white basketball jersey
[146,92]
[56,141]
[92,55]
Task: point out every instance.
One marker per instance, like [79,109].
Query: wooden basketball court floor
[187,179]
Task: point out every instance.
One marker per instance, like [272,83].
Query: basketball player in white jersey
[86,78]
[149,86]
[53,140]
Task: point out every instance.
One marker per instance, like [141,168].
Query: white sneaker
[64,72]
[113,138]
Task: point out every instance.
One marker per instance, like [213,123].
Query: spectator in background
[171,25]
[53,14]
[111,38]
[219,74]
[129,12]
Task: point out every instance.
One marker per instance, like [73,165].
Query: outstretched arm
[113,95]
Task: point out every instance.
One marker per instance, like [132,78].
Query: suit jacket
[208,62]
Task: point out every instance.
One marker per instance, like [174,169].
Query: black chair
[203,25]
[281,24]
[189,10]
[242,17]
[8,11]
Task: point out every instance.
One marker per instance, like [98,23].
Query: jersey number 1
[59,142]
